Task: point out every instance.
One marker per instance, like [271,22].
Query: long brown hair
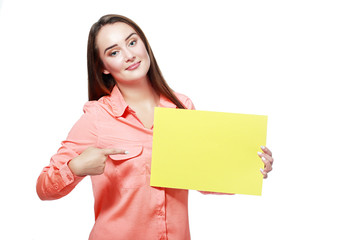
[101,84]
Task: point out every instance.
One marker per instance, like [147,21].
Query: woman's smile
[133,66]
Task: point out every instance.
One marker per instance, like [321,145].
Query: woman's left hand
[266,157]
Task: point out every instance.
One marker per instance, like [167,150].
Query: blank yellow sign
[208,151]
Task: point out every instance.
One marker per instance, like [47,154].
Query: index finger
[111,151]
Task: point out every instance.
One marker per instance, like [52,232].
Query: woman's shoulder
[95,106]
[91,106]
[185,100]
[104,106]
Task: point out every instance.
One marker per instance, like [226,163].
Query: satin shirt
[126,206]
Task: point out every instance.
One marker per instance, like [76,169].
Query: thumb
[111,151]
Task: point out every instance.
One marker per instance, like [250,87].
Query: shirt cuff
[67,175]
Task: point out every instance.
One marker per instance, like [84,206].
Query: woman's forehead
[113,33]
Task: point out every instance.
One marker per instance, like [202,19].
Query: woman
[112,141]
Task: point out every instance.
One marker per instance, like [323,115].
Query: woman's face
[123,53]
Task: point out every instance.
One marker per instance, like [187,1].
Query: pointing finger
[111,151]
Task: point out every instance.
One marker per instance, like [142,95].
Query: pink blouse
[126,206]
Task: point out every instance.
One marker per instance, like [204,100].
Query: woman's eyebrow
[129,36]
[116,44]
[110,48]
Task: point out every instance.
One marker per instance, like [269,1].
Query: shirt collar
[118,104]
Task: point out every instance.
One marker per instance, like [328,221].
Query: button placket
[160,213]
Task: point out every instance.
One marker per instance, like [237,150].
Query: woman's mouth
[133,66]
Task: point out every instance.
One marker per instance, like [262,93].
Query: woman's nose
[129,56]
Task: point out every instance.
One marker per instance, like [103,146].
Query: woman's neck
[139,91]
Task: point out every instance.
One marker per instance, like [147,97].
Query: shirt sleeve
[57,180]
[189,104]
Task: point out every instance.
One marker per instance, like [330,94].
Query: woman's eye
[114,53]
[132,43]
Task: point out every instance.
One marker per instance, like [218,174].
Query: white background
[295,61]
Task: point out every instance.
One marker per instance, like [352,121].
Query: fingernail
[262,147]
[126,152]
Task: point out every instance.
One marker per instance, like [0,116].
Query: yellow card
[208,151]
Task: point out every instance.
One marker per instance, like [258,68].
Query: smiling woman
[101,83]
[112,141]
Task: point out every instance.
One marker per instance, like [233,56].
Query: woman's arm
[92,161]
[57,180]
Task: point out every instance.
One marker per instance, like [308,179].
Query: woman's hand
[266,157]
[92,161]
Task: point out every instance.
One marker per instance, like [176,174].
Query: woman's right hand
[92,161]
